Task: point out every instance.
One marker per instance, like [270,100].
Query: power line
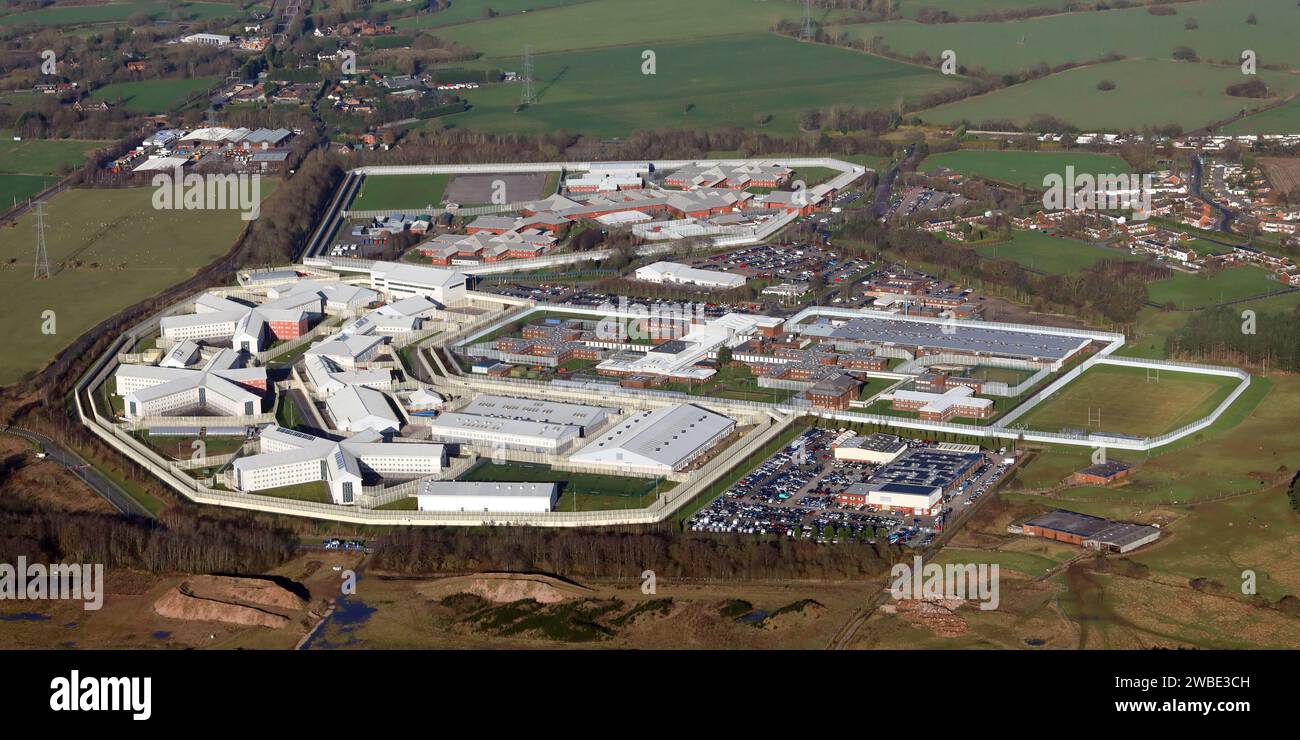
[41,270]
[529,96]
[807,31]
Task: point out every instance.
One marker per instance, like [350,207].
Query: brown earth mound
[255,591]
[939,615]
[244,601]
[506,587]
[796,613]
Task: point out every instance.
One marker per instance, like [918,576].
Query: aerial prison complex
[207,375]
[736,200]
[825,358]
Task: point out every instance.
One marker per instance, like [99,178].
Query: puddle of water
[757,615]
[160,635]
[349,613]
[23,617]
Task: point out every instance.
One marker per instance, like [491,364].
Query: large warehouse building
[876,449]
[895,498]
[586,418]
[399,281]
[514,434]
[679,274]
[486,496]
[658,442]
[1091,532]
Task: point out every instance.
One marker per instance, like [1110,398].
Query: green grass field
[1147,93]
[603,93]
[400,192]
[969,8]
[43,156]
[603,23]
[119,11]
[317,491]
[1196,291]
[578,491]
[1038,251]
[466,11]
[1128,402]
[128,252]
[1081,37]
[153,96]
[1280,120]
[17,188]
[1025,168]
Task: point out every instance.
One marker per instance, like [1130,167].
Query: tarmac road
[107,489]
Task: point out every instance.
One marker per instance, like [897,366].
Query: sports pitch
[1129,401]
[379,192]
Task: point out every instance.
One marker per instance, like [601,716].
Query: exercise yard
[400,192]
[1130,400]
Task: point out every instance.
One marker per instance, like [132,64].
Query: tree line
[183,539]
[623,554]
[1111,290]
[1230,335]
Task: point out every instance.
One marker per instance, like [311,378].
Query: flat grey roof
[487,488]
[1092,528]
[528,409]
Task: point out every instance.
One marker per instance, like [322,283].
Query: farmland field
[119,11]
[118,250]
[400,192]
[1128,402]
[969,8]
[466,11]
[699,84]
[16,188]
[604,23]
[1084,37]
[1025,168]
[1283,173]
[43,156]
[153,96]
[1073,96]
[1038,251]
[1196,291]
[1280,120]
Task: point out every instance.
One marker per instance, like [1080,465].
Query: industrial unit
[658,442]
[1091,532]
[486,496]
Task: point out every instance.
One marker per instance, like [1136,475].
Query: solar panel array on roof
[960,338]
[928,467]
